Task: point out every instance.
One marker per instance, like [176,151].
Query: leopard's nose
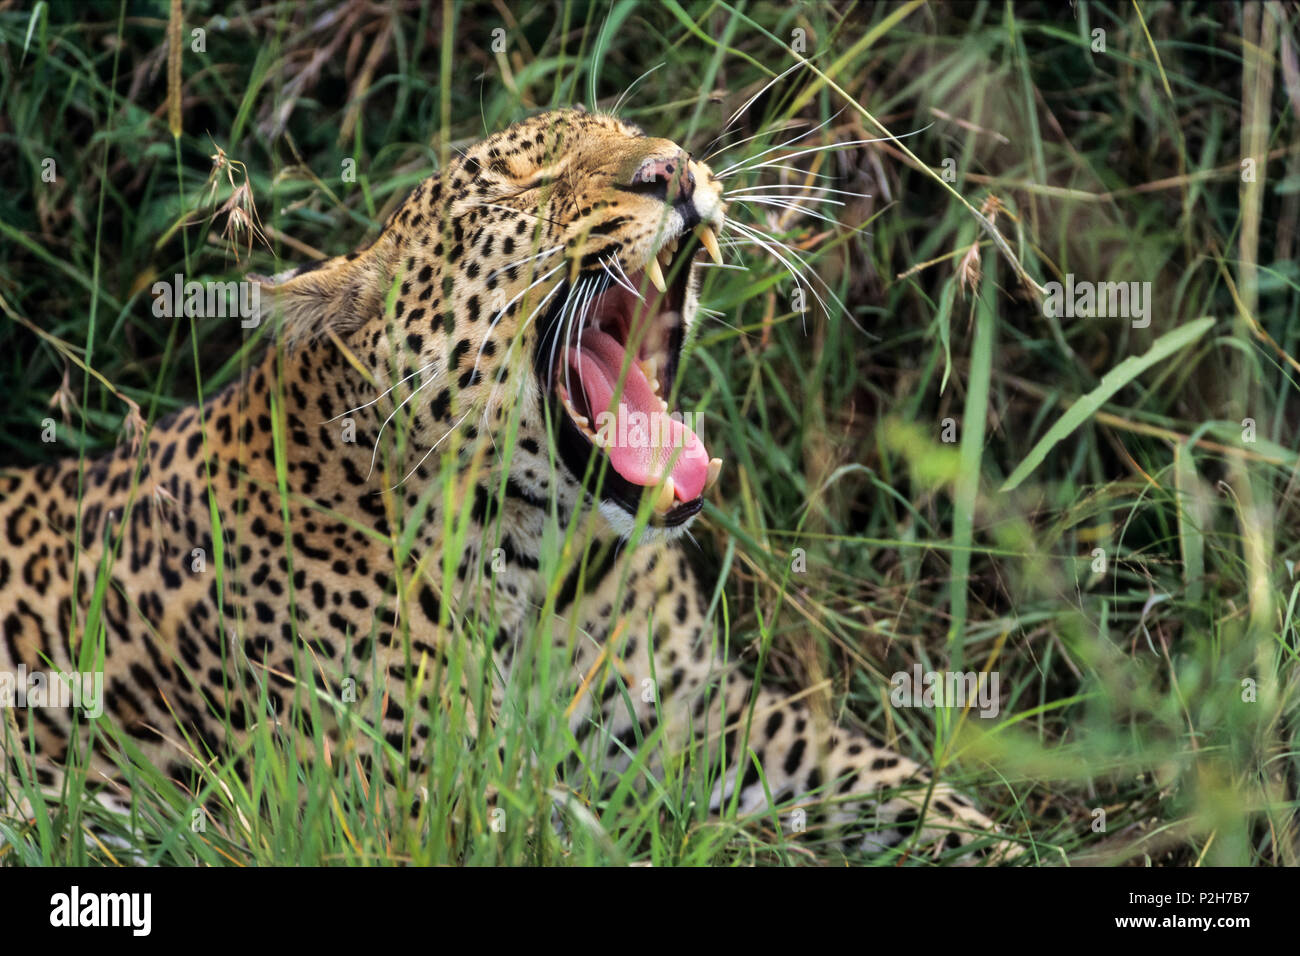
[668,178]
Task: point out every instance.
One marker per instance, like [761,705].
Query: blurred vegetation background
[1136,592]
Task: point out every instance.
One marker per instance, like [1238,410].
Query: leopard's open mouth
[617,343]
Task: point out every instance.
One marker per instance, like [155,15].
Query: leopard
[449,384]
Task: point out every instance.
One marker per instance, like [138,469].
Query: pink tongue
[640,448]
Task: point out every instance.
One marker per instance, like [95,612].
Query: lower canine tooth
[667,496]
[665,257]
[656,275]
[715,469]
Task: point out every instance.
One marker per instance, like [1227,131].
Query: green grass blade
[1111,382]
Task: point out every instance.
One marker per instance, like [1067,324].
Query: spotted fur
[433,308]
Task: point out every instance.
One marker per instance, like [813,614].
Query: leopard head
[547,277]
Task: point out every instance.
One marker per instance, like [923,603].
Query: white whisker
[569,301]
[749,166]
[772,149]
[380,396]
[374,453]
[619,102]
[430,452]
[576,321]
[794,207]
[518,337]
[582,381]
[717,316]
[501,311]
[624,283]
[794,274]
[741,142]
[731,121]
[767,242]
[628,280]
[746,190]
[796,169]
[518,262]
[497,383]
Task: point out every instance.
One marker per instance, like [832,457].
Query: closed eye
[656,188]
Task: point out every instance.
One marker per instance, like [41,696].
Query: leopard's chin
[608,359]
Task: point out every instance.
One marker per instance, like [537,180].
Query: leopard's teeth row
[667,251]
[650,368]
[667,497]
[585,423]
[662,259]
[582,421]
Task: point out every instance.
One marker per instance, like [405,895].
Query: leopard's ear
[338,294]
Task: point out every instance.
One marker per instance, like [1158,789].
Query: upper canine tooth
[667,496]
[656,275]
[709,240]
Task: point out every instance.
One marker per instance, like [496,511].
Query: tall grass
[1150,686]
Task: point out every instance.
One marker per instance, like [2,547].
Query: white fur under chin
[624,524]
